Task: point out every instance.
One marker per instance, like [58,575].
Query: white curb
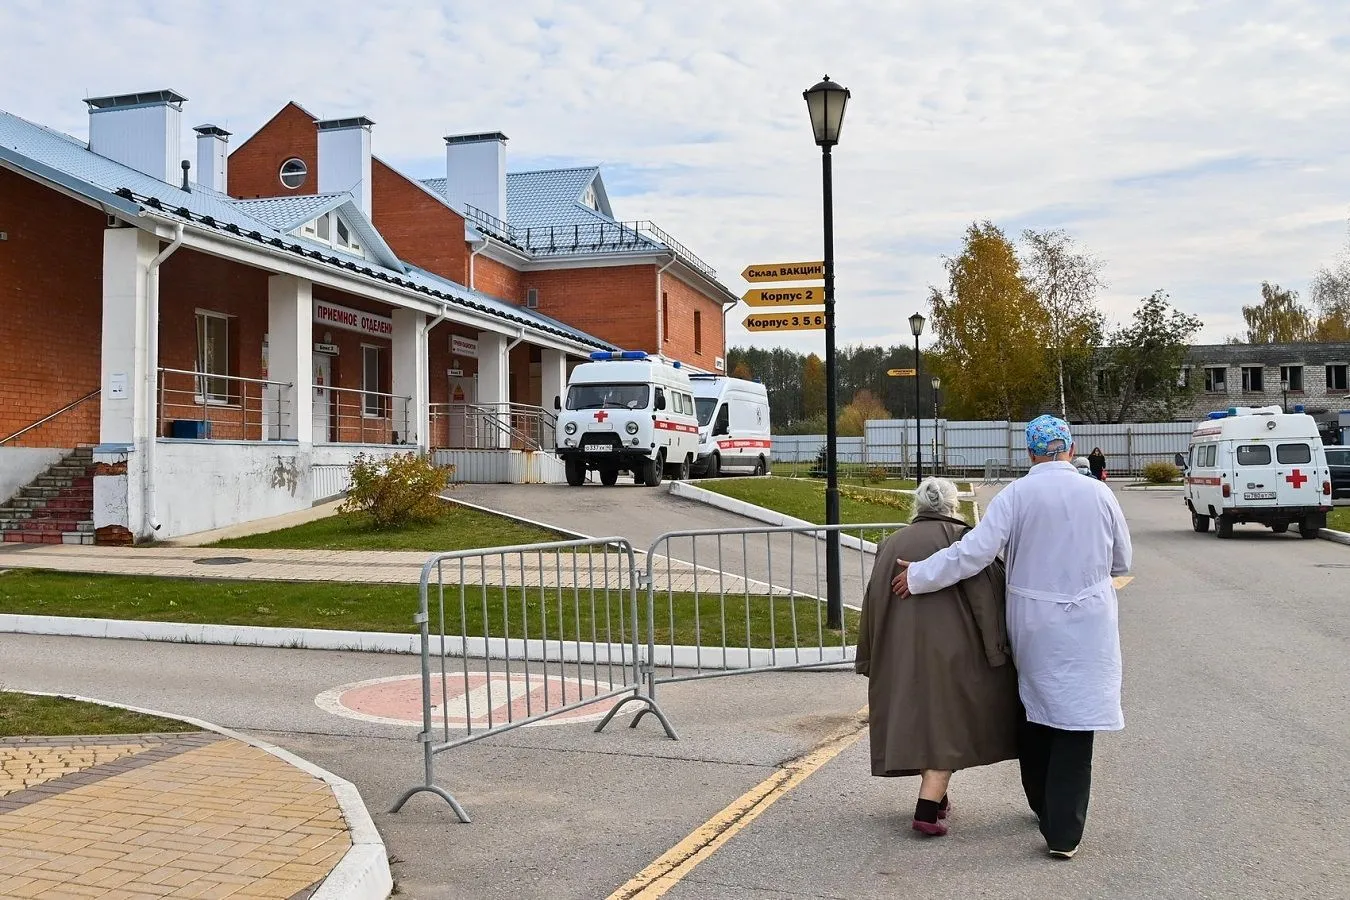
[363,872]
[681,656]
[1330,534]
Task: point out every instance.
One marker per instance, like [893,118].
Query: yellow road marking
[677,862]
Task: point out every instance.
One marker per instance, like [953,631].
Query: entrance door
[464,426]
[323,398]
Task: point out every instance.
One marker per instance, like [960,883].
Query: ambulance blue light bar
[1217,415]
[618,354]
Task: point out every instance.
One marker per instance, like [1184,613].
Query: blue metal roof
[61,159]
[289,213]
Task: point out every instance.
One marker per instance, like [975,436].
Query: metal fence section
[967,448]
[756,603]
[552,627]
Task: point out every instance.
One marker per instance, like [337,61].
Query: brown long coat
[942,691]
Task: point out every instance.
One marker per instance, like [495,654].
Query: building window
[213,357]
[1184,377]
[1107,383]
[1253,379]
[372,368]
[1216,379]
[589,199]
[1291,377]
[293,173]
[330,229]
[698,332]
[1336,377]
[665,317]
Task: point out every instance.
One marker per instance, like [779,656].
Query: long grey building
[1314,376]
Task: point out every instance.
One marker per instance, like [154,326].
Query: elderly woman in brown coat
[942,691]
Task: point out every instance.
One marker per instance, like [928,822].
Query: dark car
[1338,459]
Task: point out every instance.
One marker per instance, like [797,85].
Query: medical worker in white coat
[1063,538]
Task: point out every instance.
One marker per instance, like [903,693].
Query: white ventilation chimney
[212,153]
[139,130]
[475,172]
[344,158]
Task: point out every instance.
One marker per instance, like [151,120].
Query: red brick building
[221,339]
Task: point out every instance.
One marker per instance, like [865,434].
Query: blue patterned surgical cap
[1048,435]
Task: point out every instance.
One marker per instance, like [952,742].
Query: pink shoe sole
[932,829]
[943,813]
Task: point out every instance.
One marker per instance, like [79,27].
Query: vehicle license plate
[1259,495]
[606,448]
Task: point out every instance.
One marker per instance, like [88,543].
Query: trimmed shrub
[876,474]
[1161,473]
[398,490]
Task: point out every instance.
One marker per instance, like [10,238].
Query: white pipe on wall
[151,520]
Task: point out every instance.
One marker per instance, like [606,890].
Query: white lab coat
[1063,537]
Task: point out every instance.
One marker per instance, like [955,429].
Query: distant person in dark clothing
[1097,463]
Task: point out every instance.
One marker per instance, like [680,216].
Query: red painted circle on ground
[478,698]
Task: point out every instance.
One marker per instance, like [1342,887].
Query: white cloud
[1195,146]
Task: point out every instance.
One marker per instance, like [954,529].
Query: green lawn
[460,529]
[389,608]
[804,498]
[24,714]
[1339,519]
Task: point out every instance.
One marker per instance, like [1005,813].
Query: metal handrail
[500,418]
[239,378]
[244,409]
[387,415]
[47,418]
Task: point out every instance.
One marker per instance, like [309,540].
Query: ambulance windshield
[607,396]
[706,407]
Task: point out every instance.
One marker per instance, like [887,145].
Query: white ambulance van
[1258,465]
[733,422]
[627,412]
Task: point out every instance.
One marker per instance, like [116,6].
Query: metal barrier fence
[555,627]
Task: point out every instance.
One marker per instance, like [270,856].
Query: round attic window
[293,173]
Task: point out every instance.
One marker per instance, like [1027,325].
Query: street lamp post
[825,102]
[937,383]
[916,323]
[1284,391]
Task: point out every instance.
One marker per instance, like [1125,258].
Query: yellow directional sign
[805,295]
[793,271]
[785,321]
[901,373]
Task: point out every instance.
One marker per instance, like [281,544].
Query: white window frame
[1216,390]
[1246,380]
[203,396]
[381,402]
[304,174]
[333,220]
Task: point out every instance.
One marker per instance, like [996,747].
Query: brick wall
[615,303]
[255,165]
[347,421]
[420,229]
[192,281]
[51,272]
[497,279]
[682,302]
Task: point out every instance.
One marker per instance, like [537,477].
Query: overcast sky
[1197,147]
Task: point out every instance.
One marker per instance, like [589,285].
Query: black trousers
[1057,778]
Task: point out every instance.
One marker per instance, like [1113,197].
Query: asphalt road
[1232,778]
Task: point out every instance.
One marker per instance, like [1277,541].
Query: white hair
[936,496]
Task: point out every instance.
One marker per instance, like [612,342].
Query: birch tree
[1066,281]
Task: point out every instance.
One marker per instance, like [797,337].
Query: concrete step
[78,537]
[15,515]
[58,525]
[81,503]
[53,481]
[39,492]
[32,537]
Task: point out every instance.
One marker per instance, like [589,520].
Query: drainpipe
[482,245]
[660,307]
[151,522]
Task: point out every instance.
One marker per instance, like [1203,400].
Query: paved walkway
[583,569]
[161,815]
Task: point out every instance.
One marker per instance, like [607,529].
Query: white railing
[492,426]
[353,416]
[203,406]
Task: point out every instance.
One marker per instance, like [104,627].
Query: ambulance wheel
[1200,523]
[1223,527]
[681,472]
[654,470]
[609,476]
[761,468]
[1307,529]
[715,466]
[576,472]
[1280,528]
